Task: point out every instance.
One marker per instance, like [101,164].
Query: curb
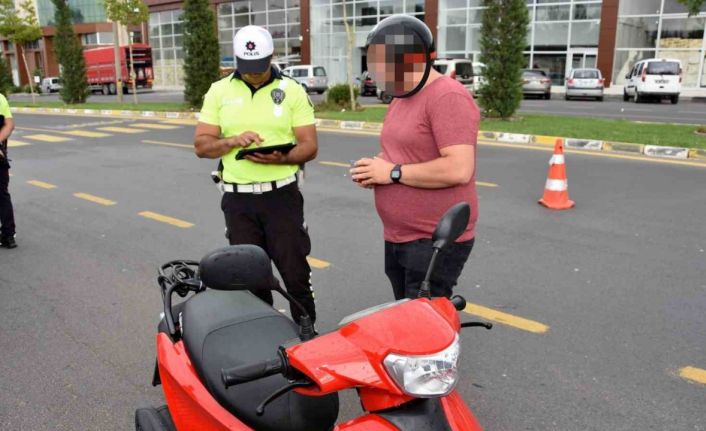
[654,151]
[110,113]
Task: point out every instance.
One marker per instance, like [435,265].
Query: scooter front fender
[437,414]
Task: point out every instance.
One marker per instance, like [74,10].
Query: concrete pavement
[617,282]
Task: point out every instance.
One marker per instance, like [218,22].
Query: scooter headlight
[426,376]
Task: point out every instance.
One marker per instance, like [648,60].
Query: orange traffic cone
[556,191]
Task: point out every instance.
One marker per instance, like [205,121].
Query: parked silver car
[312,78]
[536,82]
[585,83]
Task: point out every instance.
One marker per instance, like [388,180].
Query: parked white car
[657,77]
[459,69]
[312,78]
[585,83]
[51,84]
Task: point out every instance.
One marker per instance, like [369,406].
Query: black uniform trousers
[274,221]
[7,216]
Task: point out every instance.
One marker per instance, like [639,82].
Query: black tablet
[284,149]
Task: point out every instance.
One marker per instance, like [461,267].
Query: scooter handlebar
[249,372]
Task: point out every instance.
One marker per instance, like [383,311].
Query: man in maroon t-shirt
[427,163]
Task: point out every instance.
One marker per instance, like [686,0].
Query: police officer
[7,217]
[257,107]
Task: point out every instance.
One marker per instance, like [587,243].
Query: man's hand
[373,172]
[275,158]
[245,139]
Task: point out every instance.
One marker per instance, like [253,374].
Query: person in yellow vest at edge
[257,107]
[7,216]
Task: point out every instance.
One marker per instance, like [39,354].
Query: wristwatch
[396,174]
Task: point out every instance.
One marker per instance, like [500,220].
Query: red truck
[100,67]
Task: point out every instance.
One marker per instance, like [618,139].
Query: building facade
[90,26]
[564,34]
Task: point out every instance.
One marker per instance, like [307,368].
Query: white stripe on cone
[557,159]
[557,185]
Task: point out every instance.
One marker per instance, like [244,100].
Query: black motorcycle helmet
[408,41]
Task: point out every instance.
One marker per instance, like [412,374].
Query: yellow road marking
[47,138]
[121,130]
[484,184]
[168,144]
[13,143]
[154,126]
[506,319]
[183,122]
[41,184]
[166,219]
[694,374]
[87,134]
[337,164]
[317,263]
[94,199]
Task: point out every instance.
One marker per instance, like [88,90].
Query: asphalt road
[687,111]
[613,291]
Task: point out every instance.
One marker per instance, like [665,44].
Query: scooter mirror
[237,267]
[451,225]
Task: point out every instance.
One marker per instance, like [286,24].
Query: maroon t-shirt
[415,129]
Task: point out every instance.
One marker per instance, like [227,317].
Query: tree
[69,54]
[693,5]
[127,12]
[6,83]
[349,55]
[503,34]
[202,57]
[21,28]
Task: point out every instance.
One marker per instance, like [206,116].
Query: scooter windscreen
[400,55]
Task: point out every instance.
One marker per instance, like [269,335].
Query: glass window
[663,68]
[455,38]
[625,60]
[441,68]
[456,17]
[673,6]
[587,11]
[553,64]
[225,9]
[551,36]
[464,69]
[640,7]
[637,32]
[703,72]
[682,33]
[585,34]
[586,74]
[553,13]
[276,18]
[319,71]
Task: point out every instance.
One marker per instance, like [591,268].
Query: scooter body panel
[354,355]
[191,405]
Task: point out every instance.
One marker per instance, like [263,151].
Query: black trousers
[7,216]
[274,221]
[406,266]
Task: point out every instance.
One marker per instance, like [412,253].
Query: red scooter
[228,361]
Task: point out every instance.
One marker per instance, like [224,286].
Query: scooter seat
[223,329]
